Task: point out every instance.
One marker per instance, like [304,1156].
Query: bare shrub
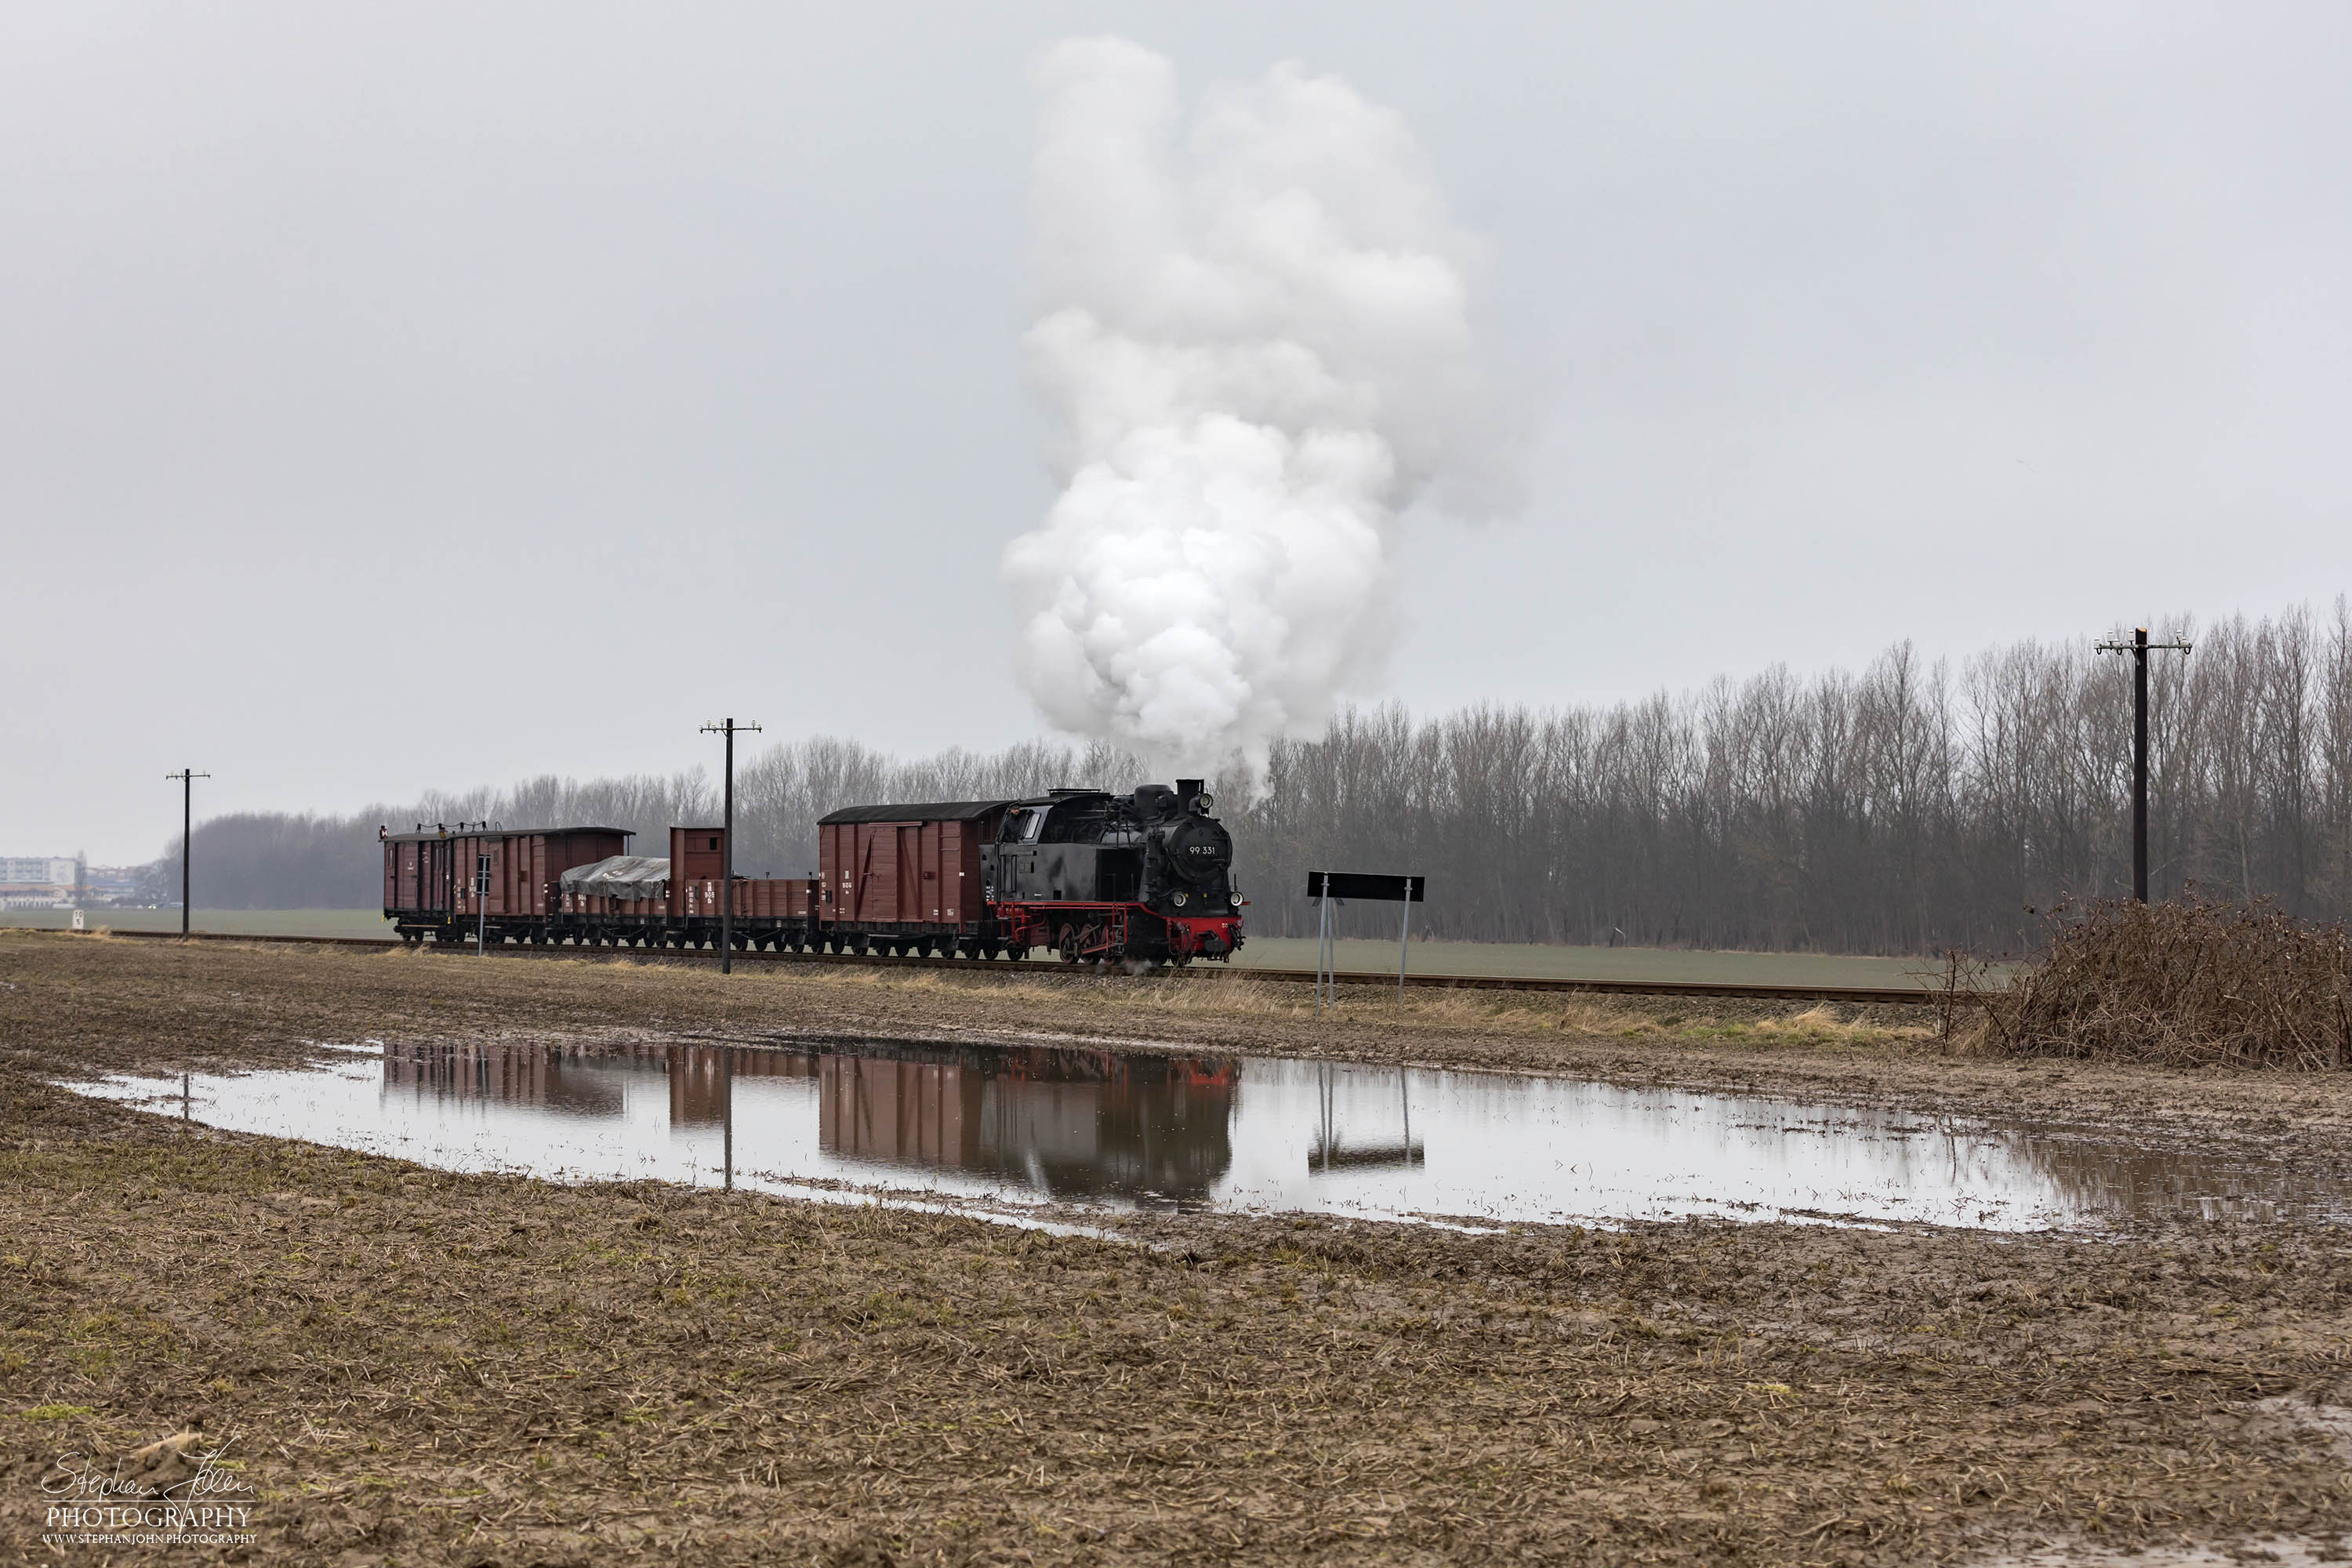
[2191,982]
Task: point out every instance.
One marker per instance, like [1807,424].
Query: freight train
[1146,876]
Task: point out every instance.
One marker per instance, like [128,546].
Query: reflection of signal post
[1328,1155]
[1326,885]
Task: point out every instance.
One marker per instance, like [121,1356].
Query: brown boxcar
[905,868]
[428,874]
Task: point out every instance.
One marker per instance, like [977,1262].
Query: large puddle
[1009,1131]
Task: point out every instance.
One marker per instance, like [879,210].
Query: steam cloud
[1256,346]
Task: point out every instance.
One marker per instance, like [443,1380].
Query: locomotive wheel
[1066,944]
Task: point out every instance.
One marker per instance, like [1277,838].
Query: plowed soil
[419,1367]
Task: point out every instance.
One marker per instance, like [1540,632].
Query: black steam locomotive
[1147,875]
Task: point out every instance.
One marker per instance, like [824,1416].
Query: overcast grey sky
[405,396]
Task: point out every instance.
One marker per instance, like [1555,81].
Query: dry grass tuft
[2189,983]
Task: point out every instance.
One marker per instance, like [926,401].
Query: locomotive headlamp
[1237,900]
[1180,898]
[1204,803]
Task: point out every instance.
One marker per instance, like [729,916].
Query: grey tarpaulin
[621,876]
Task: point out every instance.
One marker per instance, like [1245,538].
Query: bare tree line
[1907,808]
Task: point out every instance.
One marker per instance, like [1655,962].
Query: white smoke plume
[1255,342]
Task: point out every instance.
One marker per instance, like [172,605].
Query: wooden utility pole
[2139,648]
[728,728]
[187,778]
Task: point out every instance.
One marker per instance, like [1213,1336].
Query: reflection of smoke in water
[1256,348]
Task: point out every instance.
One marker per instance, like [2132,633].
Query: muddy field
[414,1366]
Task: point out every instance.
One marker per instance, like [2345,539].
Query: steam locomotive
[1146,876]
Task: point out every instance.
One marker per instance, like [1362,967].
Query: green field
[235,922]
[1546,962]
[1532,960]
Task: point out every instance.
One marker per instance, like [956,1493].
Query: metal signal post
[187,778]
[1324,961]
[728,728]
[1405,949]
[1325,886]
[2140,648]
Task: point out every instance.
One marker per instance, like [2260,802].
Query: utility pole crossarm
[728,728]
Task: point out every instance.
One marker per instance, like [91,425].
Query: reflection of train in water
[1067,1122]
[1146,875]
[1064,1121]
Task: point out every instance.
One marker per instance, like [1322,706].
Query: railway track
[1897,996]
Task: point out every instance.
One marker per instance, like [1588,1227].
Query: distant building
[39,881]
[112,884]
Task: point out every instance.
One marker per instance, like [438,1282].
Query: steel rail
[1923,993]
